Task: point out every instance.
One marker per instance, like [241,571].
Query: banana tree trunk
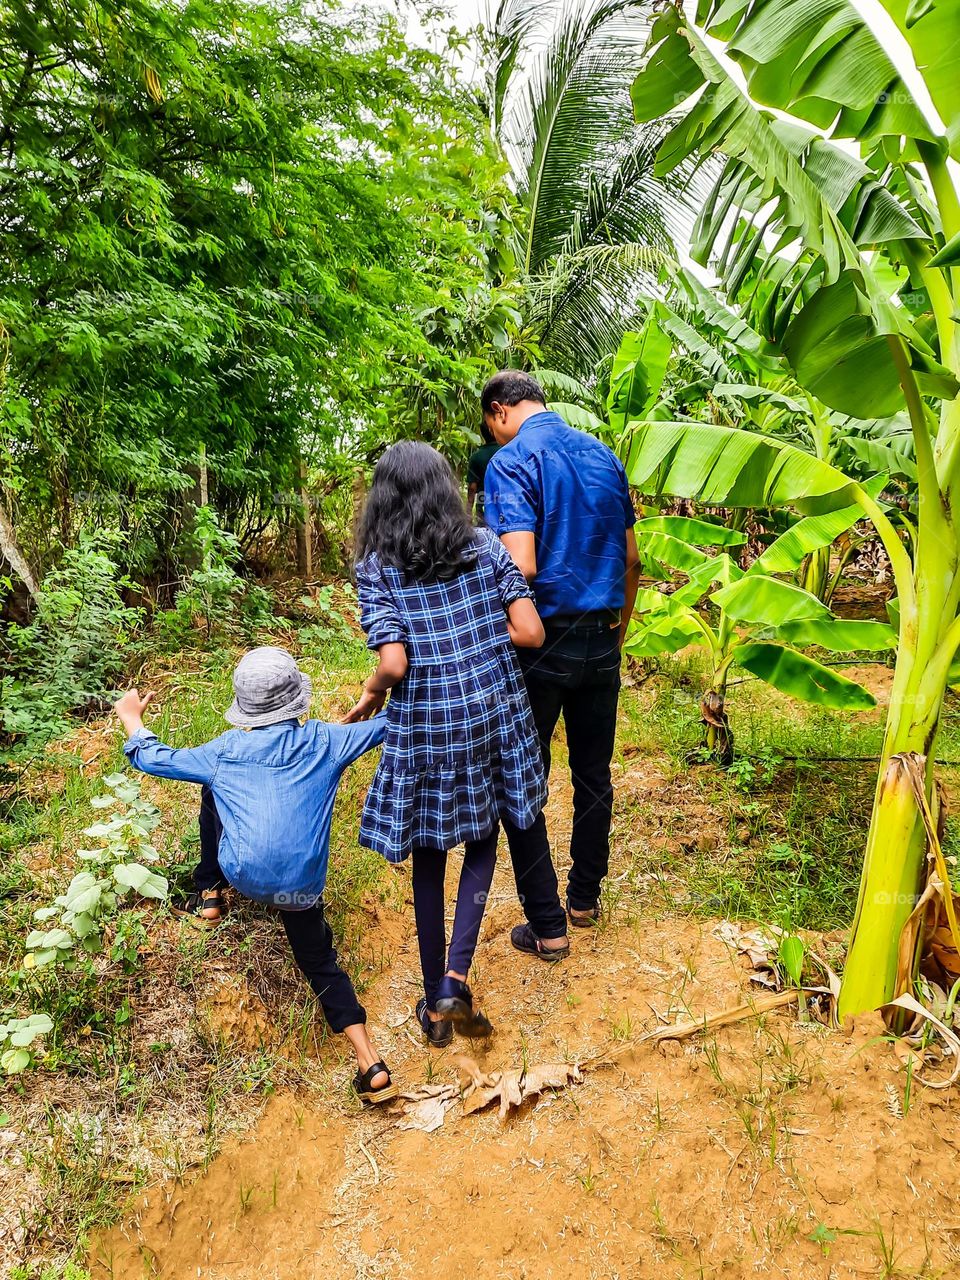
[896,847]
[718,736]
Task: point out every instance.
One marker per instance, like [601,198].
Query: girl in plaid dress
[443,605]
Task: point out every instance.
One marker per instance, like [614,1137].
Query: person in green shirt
[476,473]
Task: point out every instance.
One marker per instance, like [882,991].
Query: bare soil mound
[770,1148]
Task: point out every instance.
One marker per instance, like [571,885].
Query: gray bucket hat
[268,687]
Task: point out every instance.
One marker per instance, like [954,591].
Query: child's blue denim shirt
[274,789]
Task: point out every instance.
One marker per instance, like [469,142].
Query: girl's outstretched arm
[391,669]
[523,623]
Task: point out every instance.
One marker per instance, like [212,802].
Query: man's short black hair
[509,387]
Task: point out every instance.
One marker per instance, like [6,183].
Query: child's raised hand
[131,706]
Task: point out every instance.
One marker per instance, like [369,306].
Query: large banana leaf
[671,551]
[931,30]
[639,368]
[765,396]
[768,601]
[700,532]
[800,677]
[723,466]
[838,349]
[840,635]
[819,62]
[809,534]
[784,180]
[577,416]
[665,635]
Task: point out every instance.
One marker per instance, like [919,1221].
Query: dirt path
[771,1149]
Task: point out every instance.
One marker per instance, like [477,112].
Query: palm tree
[599,222]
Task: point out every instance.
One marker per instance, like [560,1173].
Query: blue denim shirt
[571,492]
[274,789]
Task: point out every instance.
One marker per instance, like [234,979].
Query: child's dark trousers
[309,935]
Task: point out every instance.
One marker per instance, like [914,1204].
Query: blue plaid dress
[461,748]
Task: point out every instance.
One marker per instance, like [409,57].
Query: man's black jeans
[575,674]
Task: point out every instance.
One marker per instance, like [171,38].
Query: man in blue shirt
[559,500]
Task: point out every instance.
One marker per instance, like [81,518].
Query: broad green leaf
[103,802]
[38,1024]
[55,939]
[14,1061]
[836,349]
[883,455]
[768,601]
[840,635]
[809,534]
[666,635]
[675,552]
[839,350]
[819,61]
[701,533]
[800,677]
[949,255]
[83,924]
[764,395]
[577,416]
[141,879]
[930,29]
[724,466]
[115,779]
[730,327]
[639,368]
[790,953]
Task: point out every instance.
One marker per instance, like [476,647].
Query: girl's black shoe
[455,1001]
[437,1032]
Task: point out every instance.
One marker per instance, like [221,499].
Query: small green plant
[117,868]
[213,593]
[333,622]
[791,953]
[16,1038]
[745,774]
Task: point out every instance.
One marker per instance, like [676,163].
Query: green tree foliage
[232,236]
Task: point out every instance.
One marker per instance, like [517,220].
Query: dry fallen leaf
[512,1088]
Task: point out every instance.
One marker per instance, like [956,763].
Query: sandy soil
[772,1148]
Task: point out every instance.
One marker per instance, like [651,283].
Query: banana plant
[760,623]
[850,264]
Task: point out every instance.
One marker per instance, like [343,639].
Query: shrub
[65,658]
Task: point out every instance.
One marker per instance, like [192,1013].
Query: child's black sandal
[366,1093]
[191,905]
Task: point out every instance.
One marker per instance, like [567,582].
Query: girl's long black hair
[414,518]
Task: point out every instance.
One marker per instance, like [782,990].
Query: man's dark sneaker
[455,1001]
[524,939]
[438,1032]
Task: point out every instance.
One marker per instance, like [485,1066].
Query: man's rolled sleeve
[511,502]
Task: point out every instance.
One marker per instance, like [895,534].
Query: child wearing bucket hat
[272,791]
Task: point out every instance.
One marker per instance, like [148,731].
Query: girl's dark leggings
[476,875]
